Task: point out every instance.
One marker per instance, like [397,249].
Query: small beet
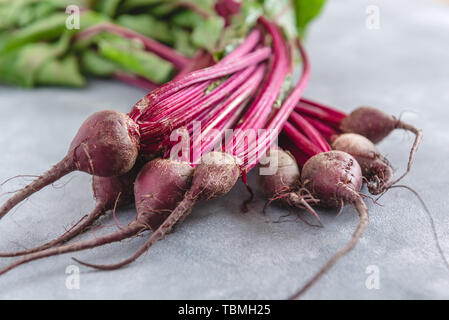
[370,123]
[107,145]
[284,186]
[159,187]
[335,178]
[376,125]
[155,179]
[109,193]
[375,168]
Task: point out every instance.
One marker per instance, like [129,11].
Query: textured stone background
[219,252]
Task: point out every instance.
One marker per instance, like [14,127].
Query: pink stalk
[202,59]
[307,109]
[315,137]
[328,109]
[160,127]
[217,71]
[165,52]
[257,151]
[300,140]
[287,144]
[135,81]
[325,130]
[258,113]
[146,104]
[227,114]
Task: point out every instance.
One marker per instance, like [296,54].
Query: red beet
[335,178]
[284,186]
[159,187]
[376,125]
[110,193]
[153,201]
[375,168]
[107,145]
[214,176]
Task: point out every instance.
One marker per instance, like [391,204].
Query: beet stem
[163,51]
[363,223]
[65,166]
[179,214]
[77,229]
[127,232]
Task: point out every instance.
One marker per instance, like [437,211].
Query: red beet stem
[160,127]
[144,107]
[255,152]
[214,72]
[287,144]
[226,115]
[328,132]
[165,52]
[135,81]
[300,140]
[326,108]
[258,112]
[318,113]
[309,131]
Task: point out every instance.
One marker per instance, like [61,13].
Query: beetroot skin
[370,123]
[333,177]
[159,187]
[284,185]
[375,168]
[109,192]
[376,125]
[107,145]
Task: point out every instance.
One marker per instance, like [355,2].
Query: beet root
[335,178]
[376,125]
[159,187]
[375,168]
[284,185]
[151,200]
[110,193]
[106,145]
[214,176]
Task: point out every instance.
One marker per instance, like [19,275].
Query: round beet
[376,125]
[335,178]
[159,187]
[107,145]
[370,123]
[214,176]
[109,192]
[284,185]
[375,168]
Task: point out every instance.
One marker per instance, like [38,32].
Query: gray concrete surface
[219,253]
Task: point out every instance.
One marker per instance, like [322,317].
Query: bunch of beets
[152,156]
